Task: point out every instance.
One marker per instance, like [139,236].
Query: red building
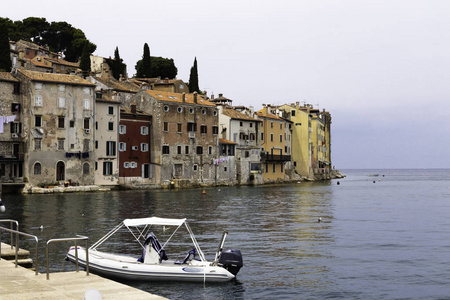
[135,157]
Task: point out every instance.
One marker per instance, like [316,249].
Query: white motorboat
[154,264]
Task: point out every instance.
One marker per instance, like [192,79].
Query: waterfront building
[58,120]
[275,158]
[184,137]
[107,116]
[12,144]
[320,140]
[136,168]
[225,164]
[243,130]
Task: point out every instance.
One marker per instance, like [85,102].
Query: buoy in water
[204,192]
[338,183]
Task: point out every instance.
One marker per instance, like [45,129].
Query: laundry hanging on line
[5,120]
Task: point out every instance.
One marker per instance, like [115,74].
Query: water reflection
[275,227]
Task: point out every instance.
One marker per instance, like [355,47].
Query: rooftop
[52,77]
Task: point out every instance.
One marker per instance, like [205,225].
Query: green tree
[117,66]
[161,67]
[145,67]
[193,78]
[5,58]
[85,62]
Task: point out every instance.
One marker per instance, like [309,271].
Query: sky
[380,67]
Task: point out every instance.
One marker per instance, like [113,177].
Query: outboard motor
[231,260]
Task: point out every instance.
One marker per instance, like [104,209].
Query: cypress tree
[193,78]
[5,58]
[85,63]
[118,67]
[144,66]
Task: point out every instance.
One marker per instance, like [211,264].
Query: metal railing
[11,227]
[17,243]
[78,238]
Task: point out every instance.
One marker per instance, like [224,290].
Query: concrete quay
[20,284]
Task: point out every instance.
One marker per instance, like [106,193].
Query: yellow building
[301,137]
[276,155]
[321,159]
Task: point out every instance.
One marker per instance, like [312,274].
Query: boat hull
[128,268]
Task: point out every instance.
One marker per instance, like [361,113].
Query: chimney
[183,97]
[212,96]
[133,107]
[220,95]
[195,97]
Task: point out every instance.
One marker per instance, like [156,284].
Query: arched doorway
[60,171]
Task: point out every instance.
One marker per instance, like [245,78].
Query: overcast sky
[380,67]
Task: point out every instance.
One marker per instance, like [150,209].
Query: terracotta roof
[52,77]
[6,76]
[60,61]
[41,64]
[176,97]
[224,141]
[270,116]
[234,114]
[118,85]
[127,111]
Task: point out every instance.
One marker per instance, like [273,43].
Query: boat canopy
[153,221]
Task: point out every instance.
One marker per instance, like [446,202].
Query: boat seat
[153,252]
[188,258]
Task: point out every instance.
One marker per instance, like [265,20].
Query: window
[15,108]
[192,126]
[215,130]
[122,147]
[281,137]
[165,149]
[293,113]
[110,126]
[72,123]
[86,169]
[179,109]
[86,91]
[273,167]
[146,171]
[110,148]
[110,110]
[16,88]
[195,167]
[107,168]
[96,144]
[37,169]
[186,150]
[281,166]
[179,127]
[126,165]
[271,137]
[61,121]
[38,86]
[251,124]
[37,121]
[191,111]
[144,130]
[199,150]
[215,113]
[203,111]
[271,124]
[134,148]
[122,129]
[86,123]
[37,144]
[166,108]
[247,154]
[252,136]
[166,126]
[61,144]
[203,129]
[61,102]
[86,104]
[38,100]
[144,147]
[61,88]
[179,149]
[281,126]
[262,136]
[210,150]
[15,127]
[241,123]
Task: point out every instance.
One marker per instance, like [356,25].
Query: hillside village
[59,128]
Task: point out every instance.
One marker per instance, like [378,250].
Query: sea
[375,234]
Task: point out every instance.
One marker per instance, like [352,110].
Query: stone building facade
[58,122]
[185,136]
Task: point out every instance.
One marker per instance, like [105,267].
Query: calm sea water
[384,234]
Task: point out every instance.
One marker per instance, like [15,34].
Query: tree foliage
[117,66]
[85,62]
[160,67]
[58,36]
[5,59]
[144,69]
[193,78]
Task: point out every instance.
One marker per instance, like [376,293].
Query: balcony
[274,157]
[192,134]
